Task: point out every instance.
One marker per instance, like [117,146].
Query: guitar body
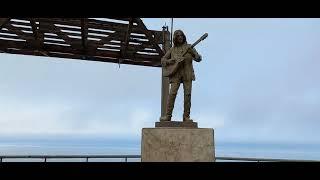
[170,69]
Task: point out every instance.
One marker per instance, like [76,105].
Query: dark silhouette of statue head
[179,38]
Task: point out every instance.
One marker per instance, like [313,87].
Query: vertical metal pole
[45,159]
[165,80]
[87,159]
[126,159]
[1,159]
[171,37]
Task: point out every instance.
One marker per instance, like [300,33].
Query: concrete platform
[171,144]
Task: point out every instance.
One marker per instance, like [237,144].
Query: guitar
[170,69]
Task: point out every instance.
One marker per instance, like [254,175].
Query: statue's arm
[196,56]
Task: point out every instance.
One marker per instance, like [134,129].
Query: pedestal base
[177,145]
[190,124]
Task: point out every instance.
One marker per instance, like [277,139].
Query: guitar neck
[192,46]
[197,42]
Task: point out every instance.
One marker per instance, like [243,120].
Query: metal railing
[86,157]
[126,157]
[262,159]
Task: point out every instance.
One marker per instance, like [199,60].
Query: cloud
[212,120]
[60,119]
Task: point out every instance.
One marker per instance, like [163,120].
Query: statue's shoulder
[187,46]
[171,49]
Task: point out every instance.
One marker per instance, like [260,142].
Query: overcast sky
[258,82]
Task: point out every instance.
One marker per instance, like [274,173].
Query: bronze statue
[177,65]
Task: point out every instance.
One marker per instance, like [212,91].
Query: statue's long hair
[175,37]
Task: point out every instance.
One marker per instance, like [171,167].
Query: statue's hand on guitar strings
[168,62]
[172,61]
[180,59]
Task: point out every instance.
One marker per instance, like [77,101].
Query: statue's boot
[170,106]
[166,118]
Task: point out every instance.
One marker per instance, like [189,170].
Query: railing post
[45,159]
[126,159]
[87,159]
[0,159]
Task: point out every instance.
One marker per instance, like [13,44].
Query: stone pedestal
[177,144]
[190,124]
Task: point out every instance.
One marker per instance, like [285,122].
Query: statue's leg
[187,87]
[172,97]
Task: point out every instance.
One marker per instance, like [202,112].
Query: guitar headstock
[204,36]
